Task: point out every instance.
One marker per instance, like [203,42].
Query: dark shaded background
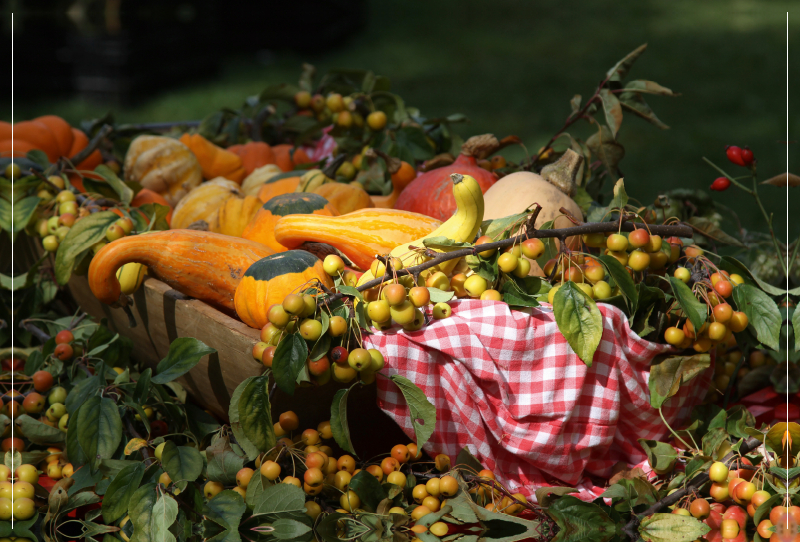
[510,66]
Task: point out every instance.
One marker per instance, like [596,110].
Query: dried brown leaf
[784,179]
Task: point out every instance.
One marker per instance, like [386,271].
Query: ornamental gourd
[234,215]
[203,201]
[204,265]
[164,165]
[277,185]
[359,235]
[215,161]
[252,183]
[271,279]
[254,155]
[432,193]
[50,134]
[346,198]
[261,228]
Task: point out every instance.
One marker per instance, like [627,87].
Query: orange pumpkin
[271,279]
[145,196]
[346,198]
[214,161]
[261,228]
[50,134]
[287,157]
[254,155]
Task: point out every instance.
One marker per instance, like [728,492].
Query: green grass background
[512,67]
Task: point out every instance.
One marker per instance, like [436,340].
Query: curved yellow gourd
[462,227]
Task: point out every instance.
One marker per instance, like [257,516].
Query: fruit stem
[663,419]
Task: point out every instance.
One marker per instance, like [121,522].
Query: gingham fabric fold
[507,385]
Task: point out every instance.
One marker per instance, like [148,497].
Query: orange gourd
[346,198]
[205,265]
[234,215]
[260,229]
[279,185]
[400,179]
[145,196]
[359,235]
[271,279]
[287,157]
[202,202]
[254,155]
[214,161]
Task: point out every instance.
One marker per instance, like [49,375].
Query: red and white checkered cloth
[507,385]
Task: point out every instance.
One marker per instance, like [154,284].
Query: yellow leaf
[134,444]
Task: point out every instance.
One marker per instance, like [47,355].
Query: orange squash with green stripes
[207,266]
[283,183]
[271,279]
[359,235]
[260,229]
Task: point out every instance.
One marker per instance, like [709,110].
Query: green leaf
[636,104]
[156,215]
[696,311]
[620,199]
[38,432]
[648,87]
[164,514]
[339,427]
[280,498]
[660,455]
[226,510]
[580,521]
[672,528]
[579,320]
[762,312]
[350,291]
[709,229]
[99,429]
[223,463]
[468,460]
[181,462]
[668,372]
[184,353]
[413,143]
[255,415]
[290,358]
[442,242]
[500,228]
[612,110]
[621,278]
[621,68]
[142,390]
[732,265]
[23,211]
[795,326]
[124,192]
[609,151]
[140,510]
[775,436]
[248,447]
[712,440]
[289,529]
[421,411]
[368,489]
[514,295]
[86,232]
[119,492]
[440,296]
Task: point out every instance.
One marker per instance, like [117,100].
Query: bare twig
[35,331]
